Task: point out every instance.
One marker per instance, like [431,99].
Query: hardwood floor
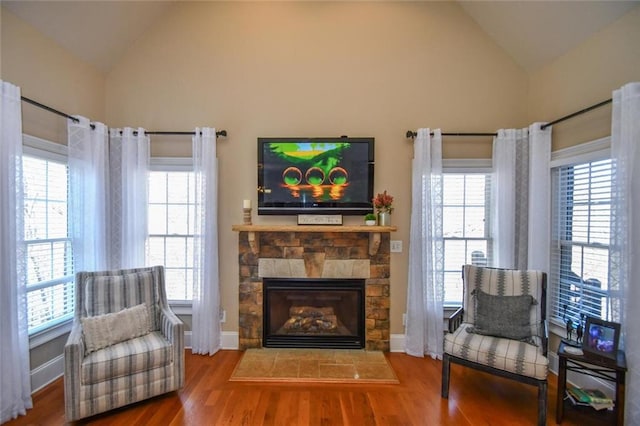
[208,398]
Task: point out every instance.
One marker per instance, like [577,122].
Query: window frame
[34,146]
[47,150]
[174,164]
[593,151]
[470,166]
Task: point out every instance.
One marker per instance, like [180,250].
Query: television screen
[315,175]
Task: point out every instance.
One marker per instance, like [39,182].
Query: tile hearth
[314,365]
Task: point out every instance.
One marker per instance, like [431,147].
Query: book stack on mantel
[594,398]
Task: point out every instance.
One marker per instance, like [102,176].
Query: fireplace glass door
[314,313]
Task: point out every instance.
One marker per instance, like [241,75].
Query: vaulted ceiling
[533,32]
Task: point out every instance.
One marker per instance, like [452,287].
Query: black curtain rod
[218,133]
[48,108]
[582,111]
[70,117]
[412,134]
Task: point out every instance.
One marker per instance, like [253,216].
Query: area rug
[314,365]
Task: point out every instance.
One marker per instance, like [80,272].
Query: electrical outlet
[223,316]
[396,246]
[404,320]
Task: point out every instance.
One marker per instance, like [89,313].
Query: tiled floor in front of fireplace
[314,365]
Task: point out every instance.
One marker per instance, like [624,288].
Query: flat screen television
[315,176]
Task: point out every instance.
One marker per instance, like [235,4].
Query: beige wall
[582,77]
[316,69]
[48,74]
[585,76]
[304,68]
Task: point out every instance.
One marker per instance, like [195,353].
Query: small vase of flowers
[383,203]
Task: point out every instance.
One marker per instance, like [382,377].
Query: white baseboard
[46,373]
[396,343]
[230,340]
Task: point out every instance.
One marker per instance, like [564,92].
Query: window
[170,243]
[48,251]
[580,240]
[465,227]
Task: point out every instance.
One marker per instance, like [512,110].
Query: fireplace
[330,255]
[314,313]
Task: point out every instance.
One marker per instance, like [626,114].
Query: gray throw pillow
[503,316]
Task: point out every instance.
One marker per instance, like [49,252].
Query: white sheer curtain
[15,385]
[206,332]
[128,174]
[424,333]
[521,203]
[625,233]
[539,209]
[510,198]
[88,160]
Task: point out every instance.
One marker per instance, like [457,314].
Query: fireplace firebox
[314,313]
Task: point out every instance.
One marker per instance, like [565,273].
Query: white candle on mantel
[246,204]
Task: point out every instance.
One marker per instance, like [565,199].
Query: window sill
[557,328]
[181,307]
[53,332]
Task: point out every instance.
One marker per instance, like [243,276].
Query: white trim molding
[230,340]
[50,333]
[172,164]
[396,343]
[39,144]
[46,373]
[467,165]
[599,149]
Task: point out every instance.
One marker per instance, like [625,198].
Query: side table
[613,372]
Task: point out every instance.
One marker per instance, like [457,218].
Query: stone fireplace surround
[308,251]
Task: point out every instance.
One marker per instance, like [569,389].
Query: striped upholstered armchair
[501,328]
[125,345]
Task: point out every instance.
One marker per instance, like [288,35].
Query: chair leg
[542,403]
[446,367]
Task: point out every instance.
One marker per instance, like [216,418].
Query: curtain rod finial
[411,134]
[222,133]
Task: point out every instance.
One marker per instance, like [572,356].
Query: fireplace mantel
[374,232]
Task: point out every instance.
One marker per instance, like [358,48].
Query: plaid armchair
[130,370]
[522,354]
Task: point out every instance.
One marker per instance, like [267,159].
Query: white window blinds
[580,241]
